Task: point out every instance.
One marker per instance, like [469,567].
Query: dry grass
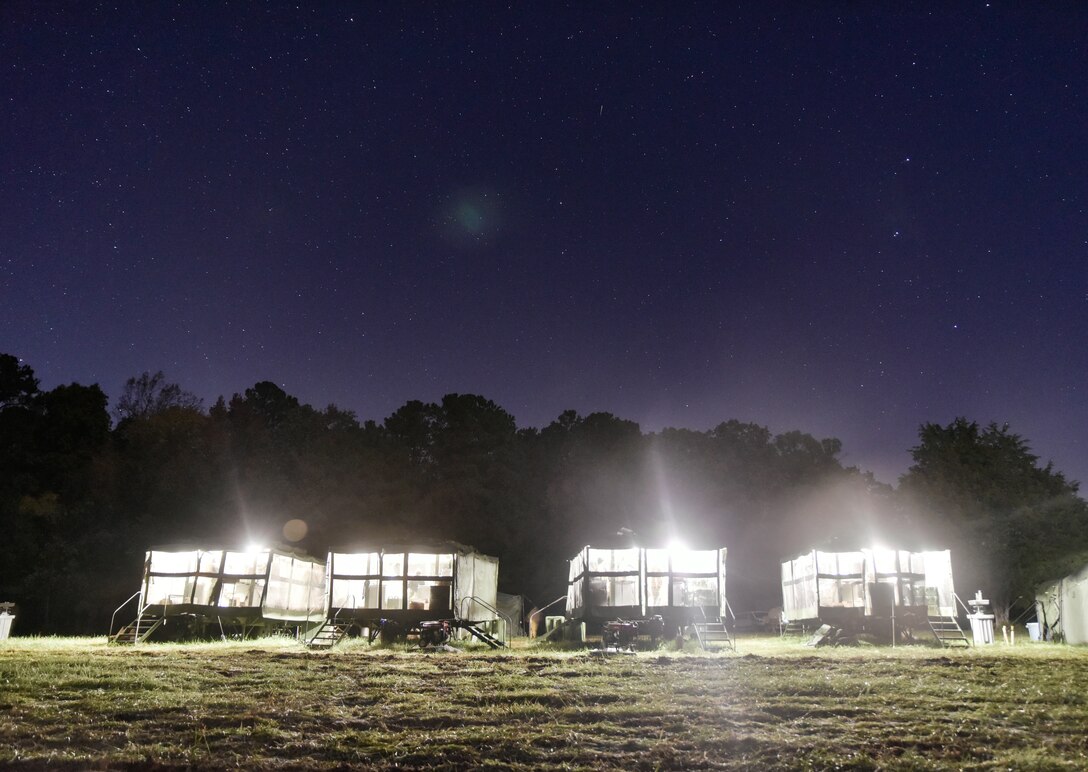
[79,704]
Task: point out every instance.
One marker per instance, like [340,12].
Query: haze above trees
[82,498]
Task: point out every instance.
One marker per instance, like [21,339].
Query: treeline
[83,492]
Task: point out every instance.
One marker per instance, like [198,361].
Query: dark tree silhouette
[146,394]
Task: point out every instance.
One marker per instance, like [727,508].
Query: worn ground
[79,704]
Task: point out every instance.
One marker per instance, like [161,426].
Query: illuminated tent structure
[1062,608]
[248,590]
[411,584]
[267,589]
[681,586]
[845,589]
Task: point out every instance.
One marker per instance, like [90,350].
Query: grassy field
[79,704]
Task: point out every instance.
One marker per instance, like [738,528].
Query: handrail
[505,617]
[341,608]
[962,604]
[730,610]
[732,636]
[509,623]
[114,617]
[547,606]
[731,615]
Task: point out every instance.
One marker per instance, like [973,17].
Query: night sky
[847,220]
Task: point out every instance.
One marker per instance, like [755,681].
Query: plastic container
[982,628]
[1034,631]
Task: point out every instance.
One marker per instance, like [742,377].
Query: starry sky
[843,218]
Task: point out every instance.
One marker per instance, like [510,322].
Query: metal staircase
[328,635]
[709,633]
[480,634]
[138,630]
[474,628]
[948,632]
[793,628]
[714,631]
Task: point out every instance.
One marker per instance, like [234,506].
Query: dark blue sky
[847,220]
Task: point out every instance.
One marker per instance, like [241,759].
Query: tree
[1009,521]
[18,386]
[49,502]
[146,395]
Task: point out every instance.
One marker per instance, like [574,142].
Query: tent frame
[580,588]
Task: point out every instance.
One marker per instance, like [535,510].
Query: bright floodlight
[677,550]
[254,549]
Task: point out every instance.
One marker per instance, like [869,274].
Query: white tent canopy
[1062,606]
[449,580]
[644,581]
[817,581]
[271,583]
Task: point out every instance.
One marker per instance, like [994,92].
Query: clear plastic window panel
[210,562]
[850,563]
[804,567]
[657,591]
[842,593]
[280,567]
[604,561]
[244,593]
[279,592]
[691,592]
[169,590]
[392,565]
[246,563]
[917,563]
[423,564]
[356,564]
[831,564]
[786,573]
[657,562]
[938,573]
[694,562]
[605,591]
[577,567]
[431,596]
[313,584]
[914,593]
[622,591]
[799,587]
[355,593]
[174,562]
[294,585]
[574,596]
[885,561]
[392,594]
[205,586]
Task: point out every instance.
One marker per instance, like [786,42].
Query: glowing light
[678,552]
[254,549]
[676,545]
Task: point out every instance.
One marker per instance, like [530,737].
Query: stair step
[713,632]
[138,629]
[947,631]
[328,635]
[486,637]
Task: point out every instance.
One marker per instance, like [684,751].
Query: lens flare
[295,530]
